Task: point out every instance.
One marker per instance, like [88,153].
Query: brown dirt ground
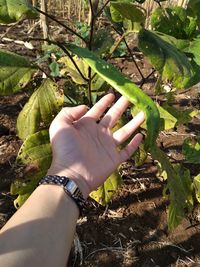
[132,230]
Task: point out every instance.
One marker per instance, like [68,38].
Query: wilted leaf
[170,62]
[35,154]
[191,151]
[105,192]
[179,186]
[12,11]
[43,104]
[197,186]
[71,70]
[15,72]
[174,21]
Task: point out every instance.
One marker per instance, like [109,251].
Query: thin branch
[64,50]
[102,8]
[146,78]
[136,65]
[130,52]
[62,24]
[90,48]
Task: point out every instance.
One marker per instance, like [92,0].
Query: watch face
[73,188]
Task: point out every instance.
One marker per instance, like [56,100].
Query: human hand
[87,151]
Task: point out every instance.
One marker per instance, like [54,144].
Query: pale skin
[41,232]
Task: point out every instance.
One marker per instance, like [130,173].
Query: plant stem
[62,24]
[102,8]
[130,52]
[146,78]
[136,65]
[90,48]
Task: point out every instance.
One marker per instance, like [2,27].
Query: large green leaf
[35,155]
[179,186]
[175,21]
[194,48]
[43,104]
[182,116]
[121,10]
[14,10]
[124,86]
[105,192]
[169,61]
[197,186]
[191,151]
[194,5]
[15,72]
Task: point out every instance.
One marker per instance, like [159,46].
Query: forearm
[41,231]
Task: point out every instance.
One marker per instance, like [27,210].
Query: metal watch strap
[69,186]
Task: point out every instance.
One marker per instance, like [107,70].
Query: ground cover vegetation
[171,43]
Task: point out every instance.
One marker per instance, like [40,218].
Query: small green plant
[172,47]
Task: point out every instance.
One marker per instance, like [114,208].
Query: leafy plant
[172,47]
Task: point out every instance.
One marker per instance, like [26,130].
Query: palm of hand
[86,149]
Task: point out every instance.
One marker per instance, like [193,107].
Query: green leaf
[124,86]
[105,192]
[121,10]
[102,41]
[20,200]
[54,67]
[196,183]
[15,72]
[194,5]
[43,104]
[71,70]
[191,151]
[175,21]
[194,48]
[181,116]
[35,155]
[167,120]
[170,62]
[13,11]
[179,186]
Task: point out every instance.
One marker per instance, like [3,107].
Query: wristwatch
[69,186]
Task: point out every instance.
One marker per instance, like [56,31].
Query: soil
[132,230]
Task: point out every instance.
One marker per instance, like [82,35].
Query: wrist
[77,178]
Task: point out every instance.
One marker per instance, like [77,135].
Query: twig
[62,24]
[64,50]
[102,8]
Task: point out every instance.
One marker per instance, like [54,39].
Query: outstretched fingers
[99,108]
[127,130]
[114,113]
[128,151]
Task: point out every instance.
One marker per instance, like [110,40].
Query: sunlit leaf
[175,21]
[121,10]
[191,151]
[12,11]
[197,186]
[105,192]
[15,72]
[169,61]
[124,86]
[43,104]
[35,155]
